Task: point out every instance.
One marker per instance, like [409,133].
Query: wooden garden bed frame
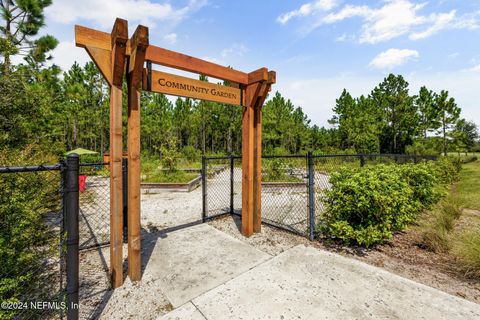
[117,56]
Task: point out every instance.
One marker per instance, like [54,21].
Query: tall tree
[448,113]
[425,105]
[466,132]
[400,118]
[22,20]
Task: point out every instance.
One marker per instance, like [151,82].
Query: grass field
[469,186]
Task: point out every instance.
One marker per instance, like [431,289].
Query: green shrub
[367,205]
[447,169]
[28,241]
[423,181]
[191,153]
[275,169]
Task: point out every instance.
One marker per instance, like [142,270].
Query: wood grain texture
[103,60]
[258,75]
[118,41]
[139,43]
[184,62]
[116,203]
[251,92]
[86,37]
[186,87]
[119,37]
[257,178]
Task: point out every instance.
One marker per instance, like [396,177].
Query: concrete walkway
[207,274]
[191,261]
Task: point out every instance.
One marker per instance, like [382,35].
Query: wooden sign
[185,87]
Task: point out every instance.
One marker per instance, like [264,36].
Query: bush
[191,153]
[367,205]
[423,181]
[27,239]
[447,169]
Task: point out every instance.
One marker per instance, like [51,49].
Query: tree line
[390,120]
[55,111]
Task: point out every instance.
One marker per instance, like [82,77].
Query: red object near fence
[82,180]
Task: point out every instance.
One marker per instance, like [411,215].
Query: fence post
[204,189]
[311,195]
[125,198]
[71,227]
[232,160]
[362,161]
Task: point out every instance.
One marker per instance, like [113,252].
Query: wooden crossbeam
[86,37]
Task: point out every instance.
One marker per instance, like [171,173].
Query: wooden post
[119,39]
[248,149]
[257,182]
[138,45]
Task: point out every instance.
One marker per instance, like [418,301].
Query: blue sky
[316,47]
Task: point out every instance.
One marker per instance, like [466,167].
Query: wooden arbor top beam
[90,38]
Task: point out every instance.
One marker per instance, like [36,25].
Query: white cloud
[475,68]
[393,19]
[236,49]
[393,58]
[440,22]
[308,9]
[66,53]
[170,38]
[103,13]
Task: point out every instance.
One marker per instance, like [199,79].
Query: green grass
[469,186]
[467,248]
[449,228]
[282,178]
[169,177]
[439,222]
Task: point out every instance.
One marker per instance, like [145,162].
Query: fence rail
[292,185]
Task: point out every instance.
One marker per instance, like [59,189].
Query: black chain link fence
[292,186]
[32,243]
[94,220]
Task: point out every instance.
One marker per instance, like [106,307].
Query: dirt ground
[402,255]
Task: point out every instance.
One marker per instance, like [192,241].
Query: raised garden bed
[155,187]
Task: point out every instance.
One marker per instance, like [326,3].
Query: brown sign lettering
[185,87]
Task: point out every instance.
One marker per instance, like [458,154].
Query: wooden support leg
[257,179]
[134,227]
[116,205]
[247,170]
[248,150]
[119,38]
[138,44]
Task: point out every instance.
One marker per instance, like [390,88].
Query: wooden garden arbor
[117,56]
